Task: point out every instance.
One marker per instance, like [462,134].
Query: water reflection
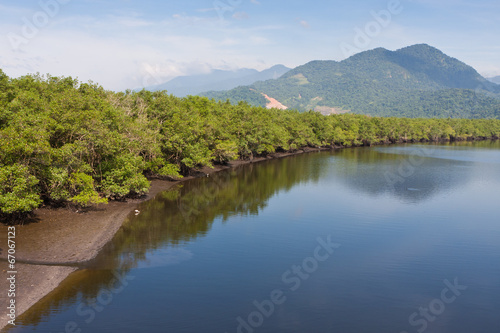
[175,217]
[82,288]
[158,235]
[415,173]
[186,212]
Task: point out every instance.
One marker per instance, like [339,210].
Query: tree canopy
[63,141]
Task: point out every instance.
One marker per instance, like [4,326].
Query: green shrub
[18,190]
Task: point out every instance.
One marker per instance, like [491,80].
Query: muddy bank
[64,236]
[49,249]
[52,246]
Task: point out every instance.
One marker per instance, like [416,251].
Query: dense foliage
[249,95]
[417,81]
[62,141]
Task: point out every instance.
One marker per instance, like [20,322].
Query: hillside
[416,81]
[218,80]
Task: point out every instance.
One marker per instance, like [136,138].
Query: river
[402,238]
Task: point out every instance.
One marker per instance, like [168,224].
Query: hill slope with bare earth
[416,81]
[273,103]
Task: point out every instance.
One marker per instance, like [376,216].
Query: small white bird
[137,212]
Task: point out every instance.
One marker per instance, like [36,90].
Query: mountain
[218,80]
[416,81]
[495,79]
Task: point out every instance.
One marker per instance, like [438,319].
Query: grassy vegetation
[66,142]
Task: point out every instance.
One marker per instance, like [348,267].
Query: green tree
[18,190]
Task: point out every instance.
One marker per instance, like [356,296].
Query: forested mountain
[416,81]
[218,80]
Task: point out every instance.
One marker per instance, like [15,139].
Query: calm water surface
[385,239]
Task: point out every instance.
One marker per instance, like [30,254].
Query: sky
[129,44]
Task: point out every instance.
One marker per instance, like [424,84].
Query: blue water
[383,239]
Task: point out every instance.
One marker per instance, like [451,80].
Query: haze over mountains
[218,80]
[416,81]
[495,79]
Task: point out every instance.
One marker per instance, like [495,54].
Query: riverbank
[53,246]
[59,240]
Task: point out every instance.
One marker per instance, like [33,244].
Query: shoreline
[53,247]
[60,239]
[50,239]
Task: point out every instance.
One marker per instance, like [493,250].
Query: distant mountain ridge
[218,80]
[495,79]
[415,81]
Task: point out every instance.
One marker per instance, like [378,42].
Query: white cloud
[304,24]
[119,54]
[123,48]
[154,74]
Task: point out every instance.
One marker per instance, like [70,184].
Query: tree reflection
[180,215]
